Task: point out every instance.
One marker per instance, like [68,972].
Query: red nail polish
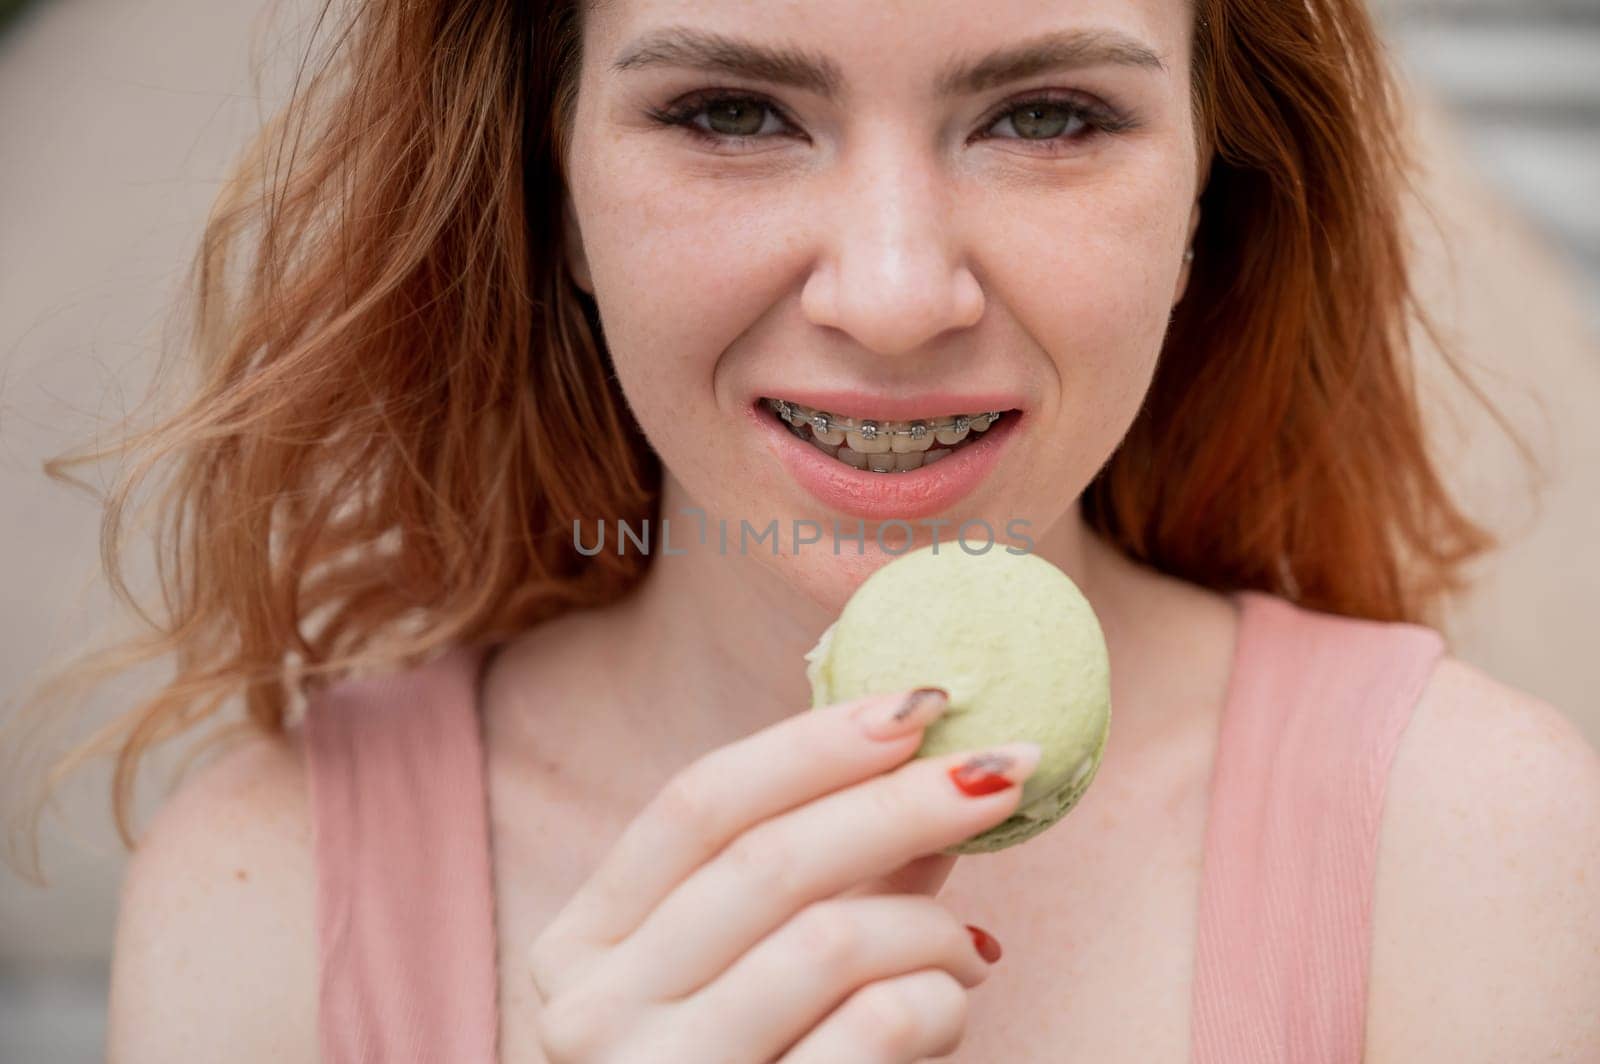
[981,775]
[986,945]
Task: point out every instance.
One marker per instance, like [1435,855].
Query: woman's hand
[735,921]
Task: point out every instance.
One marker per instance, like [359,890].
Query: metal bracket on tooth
[871,430]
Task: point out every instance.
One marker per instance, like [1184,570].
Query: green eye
[1045,120]
[739,118]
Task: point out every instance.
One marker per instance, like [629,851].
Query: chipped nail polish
[896,718]
[996,769]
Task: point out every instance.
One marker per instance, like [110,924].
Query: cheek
[679,271]
[648,261]
[687,268]
[1086,273]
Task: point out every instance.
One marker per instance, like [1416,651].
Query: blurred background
[118,119]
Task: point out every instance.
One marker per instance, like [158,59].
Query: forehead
[938,47]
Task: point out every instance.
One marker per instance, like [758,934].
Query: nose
[892,273]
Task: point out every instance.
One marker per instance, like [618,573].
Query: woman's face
[866,213]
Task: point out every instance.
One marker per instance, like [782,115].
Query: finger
[806,855]
[904,1019]
[806,968]
[922,875]
[712,801]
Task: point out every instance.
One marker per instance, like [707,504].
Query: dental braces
[872,430]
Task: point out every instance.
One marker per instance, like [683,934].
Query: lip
[913,494]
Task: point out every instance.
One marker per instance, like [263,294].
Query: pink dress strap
[1316,707]
[405,907]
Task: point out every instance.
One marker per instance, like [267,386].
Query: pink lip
[881,496]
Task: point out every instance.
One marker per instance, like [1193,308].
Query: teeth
[881,446]
[955,433]
[867,440]
[913,443]
[823,423]
[852,457]
[832,437]
[825,432]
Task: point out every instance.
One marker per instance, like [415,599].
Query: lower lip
[915,493]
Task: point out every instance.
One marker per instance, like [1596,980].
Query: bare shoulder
[1486,942]
[215,948]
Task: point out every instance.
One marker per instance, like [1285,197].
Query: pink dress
[1315,708]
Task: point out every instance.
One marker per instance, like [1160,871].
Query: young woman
[520,270]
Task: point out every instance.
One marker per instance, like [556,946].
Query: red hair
[1281,446]
[404,401]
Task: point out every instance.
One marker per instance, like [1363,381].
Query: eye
[1058,120]
[1052,120]
[733,120]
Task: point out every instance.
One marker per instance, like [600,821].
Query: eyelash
[1098,120]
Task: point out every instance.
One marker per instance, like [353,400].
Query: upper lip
[901,406]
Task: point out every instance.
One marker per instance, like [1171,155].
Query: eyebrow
[679,46]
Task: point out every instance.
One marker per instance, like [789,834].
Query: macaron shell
[1012,639]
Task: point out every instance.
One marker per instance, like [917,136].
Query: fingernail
[892,718]
[996,769]
[988,948]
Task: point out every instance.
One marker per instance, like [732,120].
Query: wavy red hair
[383,454]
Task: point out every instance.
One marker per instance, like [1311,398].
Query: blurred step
[1572,11]
[1521,79]
[1539,73]
[1557,177]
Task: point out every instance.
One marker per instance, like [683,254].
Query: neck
[719,635]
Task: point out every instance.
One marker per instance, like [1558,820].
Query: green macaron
[1013,641]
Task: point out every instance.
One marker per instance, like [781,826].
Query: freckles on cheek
[1092,303]
[690,254]
[1105,271]
[1087,294]
[705,228]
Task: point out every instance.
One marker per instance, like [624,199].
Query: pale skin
[893,251]
[890,237]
